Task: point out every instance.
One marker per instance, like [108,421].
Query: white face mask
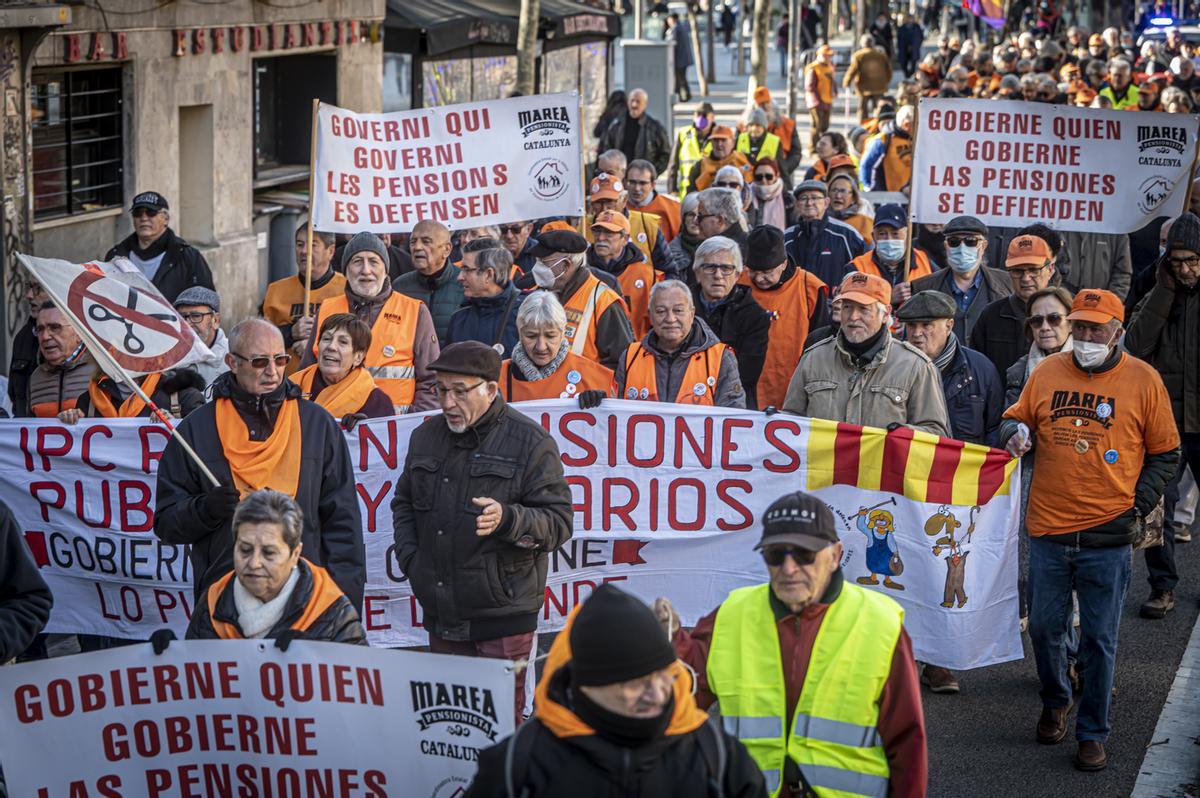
[543,275]
[1090,355]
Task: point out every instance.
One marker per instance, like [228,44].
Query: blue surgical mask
[890,251]
[962,258]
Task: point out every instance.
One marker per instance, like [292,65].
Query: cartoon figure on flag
[944,523]
[883,553]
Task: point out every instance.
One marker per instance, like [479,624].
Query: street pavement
[981,741]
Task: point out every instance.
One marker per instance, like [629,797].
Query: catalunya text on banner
[666,504]
[241,717]
[1010,164]
[462,165]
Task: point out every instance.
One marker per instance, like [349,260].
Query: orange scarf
[342,398]
[130,408]
[273,463]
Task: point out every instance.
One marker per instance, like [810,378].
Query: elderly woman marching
[272,592]
[542,365]
[337,381]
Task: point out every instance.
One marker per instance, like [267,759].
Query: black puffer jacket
[182,266]
[332,535]
[182,387]
[744,325]
[337,624]
[653,143]
[472,587]
[25,600]
[1165,332]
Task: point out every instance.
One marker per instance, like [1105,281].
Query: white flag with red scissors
[121,316]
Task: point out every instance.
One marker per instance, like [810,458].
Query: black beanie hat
[764,248]
[1185,233]
[616,638]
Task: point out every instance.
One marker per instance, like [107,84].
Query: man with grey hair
[612,162]
[680,360]
[730,310]
[637,134]
[756,141]
[870,72]
[719,213]
[819,243]
[1119,89]
[489,310]
[471,233]
[258,433]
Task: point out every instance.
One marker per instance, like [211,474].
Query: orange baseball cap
[612,221]
[762,95]
[1027,251]
[557,224]
[721,132]
[865,289]
[1097,306]
[605,186]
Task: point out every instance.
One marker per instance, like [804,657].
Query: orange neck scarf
[130,408]
[273,463]
[345,397]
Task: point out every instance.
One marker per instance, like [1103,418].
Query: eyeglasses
[702,216]
[712,268]
[810,199]
[149,213]
[775,555]
[196,316]
[511,229]
[262,361]
[764,177]
[958,241]
[1181,263]
[459,394]
[1023,274]
[728,184]
[1054,319]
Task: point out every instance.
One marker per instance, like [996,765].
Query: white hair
[729,172]
[672,285]
[726,203]
[904,115]
[541,309]
[717,244]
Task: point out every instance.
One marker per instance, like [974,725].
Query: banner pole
[912,190]
[312,195]
[1187,198]
[583,181]
[113,368]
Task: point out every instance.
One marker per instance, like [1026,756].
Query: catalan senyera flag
[917,465]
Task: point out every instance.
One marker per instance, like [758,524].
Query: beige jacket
[899,385]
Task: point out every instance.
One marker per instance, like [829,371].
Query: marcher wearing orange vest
[820,91]
[886,164]
[704,171]
[639,182]
[785,128]
[403,340]
[542,365]
[338,381]
[64,365]
[887,259]
[177,392]
[607,193]
[272,592]
[680,360]
[283,304]
[598,326]
[796,301]
[613,252]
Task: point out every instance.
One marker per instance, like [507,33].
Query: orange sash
[324,593]
[132,407]
[273,463]
[343,398]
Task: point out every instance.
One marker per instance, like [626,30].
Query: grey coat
[1096,260]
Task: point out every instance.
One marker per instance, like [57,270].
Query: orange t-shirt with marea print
[1091,433]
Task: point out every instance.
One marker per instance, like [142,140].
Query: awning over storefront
[453,24]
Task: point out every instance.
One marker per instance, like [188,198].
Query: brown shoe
[1052,725]
[1158,605]
[939,680]
[1091,756]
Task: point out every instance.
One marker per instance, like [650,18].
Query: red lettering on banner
[345,212]
[702,449]
[569,595]
[151,454]
[656,439]
[728,447]
[723,488]
[46,450]
[36,489]
[106,520]
[584,506]
[588,456]
[86,452]
[622,511]
[372,613]
[389,452]
[371,503]
[674,503]
[771,433]
[166,600]
[139,505]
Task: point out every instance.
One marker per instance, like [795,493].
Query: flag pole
[312,182]
[912,190]
[583,181]
[113,368]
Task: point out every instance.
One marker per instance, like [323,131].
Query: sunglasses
[262,361]
[1054,320]
[775,555]
[957,241]
[511,229]
[728,184]
[765,177]
[148,213]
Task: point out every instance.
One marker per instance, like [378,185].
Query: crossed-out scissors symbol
[132,343]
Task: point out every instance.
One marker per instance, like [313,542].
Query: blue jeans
[1100,578]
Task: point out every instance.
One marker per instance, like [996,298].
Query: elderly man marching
[835,708]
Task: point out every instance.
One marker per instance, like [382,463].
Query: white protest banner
[1010,164]
[666,504]
[241,717]
[461,165]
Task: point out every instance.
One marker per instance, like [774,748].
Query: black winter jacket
[24,361]
[744,325]
[186,385]
[25,600]
[475,587]
[999,333]
[653,142]
[1165,332]
[182,266]
[332,535]
[338,624]
[974,397]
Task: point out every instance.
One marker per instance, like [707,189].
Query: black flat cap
[965,224]
[472,358]
[555,242]
[764,248]
[926,306]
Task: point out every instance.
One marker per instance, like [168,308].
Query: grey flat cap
[199,295]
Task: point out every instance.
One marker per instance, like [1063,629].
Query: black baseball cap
[150,199]
[799,519]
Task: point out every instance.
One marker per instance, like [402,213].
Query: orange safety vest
[897,163]
[586,305]
[790,307]
[390,358]
[784,128]
[636,282]
[824,73]
[709,169]
[865,263]
[324,593]
[643,230]
[699,386]
[588,376]
[284,303]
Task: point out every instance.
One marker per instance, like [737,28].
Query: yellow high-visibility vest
[769,148]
